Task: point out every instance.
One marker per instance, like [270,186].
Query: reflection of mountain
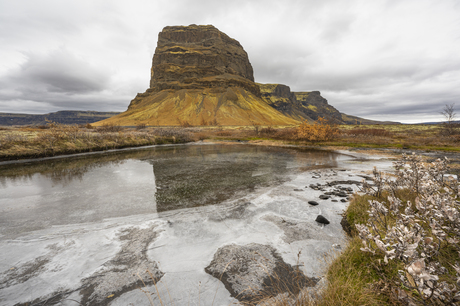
[193,176]
[64,171]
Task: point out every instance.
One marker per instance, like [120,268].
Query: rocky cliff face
[200,75]
[316,106]
[197,57]
[299,105]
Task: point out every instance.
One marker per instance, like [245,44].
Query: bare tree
[449,114]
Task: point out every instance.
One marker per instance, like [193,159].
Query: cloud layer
[384,60]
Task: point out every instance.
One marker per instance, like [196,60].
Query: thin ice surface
[88,229]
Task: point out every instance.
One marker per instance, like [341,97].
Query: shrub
[422,235]
[321,130]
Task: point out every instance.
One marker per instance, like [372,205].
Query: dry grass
[55,139]
[58,139]
[423,137]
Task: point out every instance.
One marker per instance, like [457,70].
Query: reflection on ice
[93,237]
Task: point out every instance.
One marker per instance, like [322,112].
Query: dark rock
[348,182]
[298,189]
[343,200]
[322,220]
[334,200]
[313,203]
[324,197]
[254,271]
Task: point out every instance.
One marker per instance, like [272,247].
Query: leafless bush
[416,234]
[141,126]
[449,127]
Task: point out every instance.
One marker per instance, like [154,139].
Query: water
[87,228]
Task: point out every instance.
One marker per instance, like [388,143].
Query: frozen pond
[85,230]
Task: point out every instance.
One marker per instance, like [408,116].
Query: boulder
[322,220]
[255,271]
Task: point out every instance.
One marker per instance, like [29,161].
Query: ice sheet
[120,233]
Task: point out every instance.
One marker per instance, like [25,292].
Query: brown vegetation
[53,139]
[321,130]
[58,139]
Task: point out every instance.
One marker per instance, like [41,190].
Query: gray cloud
[378,59]
[61,71]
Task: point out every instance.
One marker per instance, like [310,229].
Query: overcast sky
[382,59]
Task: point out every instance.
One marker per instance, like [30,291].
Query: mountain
[65,117]
[200,75]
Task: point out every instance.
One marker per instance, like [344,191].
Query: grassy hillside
[235,106]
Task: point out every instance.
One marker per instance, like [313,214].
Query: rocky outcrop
[200,76]
[281,98]
[316,106]
[198,57]
[254,271]
[299,105]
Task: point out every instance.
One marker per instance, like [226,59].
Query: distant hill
[348,119]
[440,122]
[65,117]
